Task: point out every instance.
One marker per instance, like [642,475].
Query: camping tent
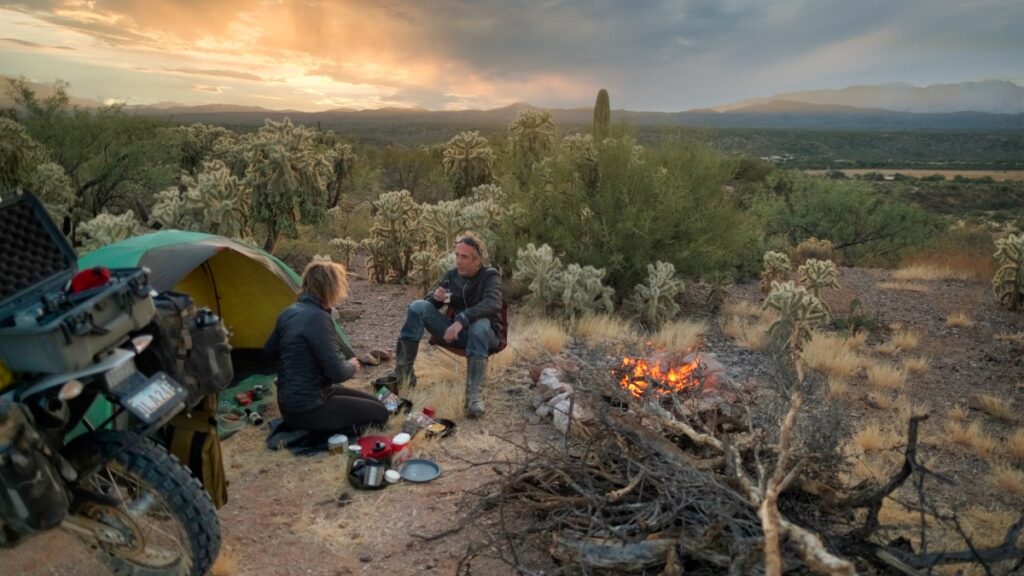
[247,287]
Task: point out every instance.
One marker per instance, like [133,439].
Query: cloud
[28,44]
[217,73]
[210,89]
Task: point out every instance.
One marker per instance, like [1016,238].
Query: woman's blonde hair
[326,281]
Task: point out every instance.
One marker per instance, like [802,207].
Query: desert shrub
[963,247]
[630,203]
[863,225]
[297,252]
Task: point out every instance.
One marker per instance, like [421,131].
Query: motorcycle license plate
[159,395]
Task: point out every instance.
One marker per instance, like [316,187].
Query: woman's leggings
[344,411]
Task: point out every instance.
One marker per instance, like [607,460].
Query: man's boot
[476,373]
[403,374]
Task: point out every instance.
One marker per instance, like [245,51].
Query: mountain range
[985,105]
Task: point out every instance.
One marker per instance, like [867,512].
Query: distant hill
[986,106]
[992,96]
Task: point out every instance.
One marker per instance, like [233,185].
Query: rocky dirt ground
[284,516]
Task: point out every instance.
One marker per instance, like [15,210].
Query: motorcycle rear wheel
[166,518]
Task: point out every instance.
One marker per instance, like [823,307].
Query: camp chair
[456,352]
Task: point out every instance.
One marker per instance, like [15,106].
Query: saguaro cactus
[1008,283]
[602,115]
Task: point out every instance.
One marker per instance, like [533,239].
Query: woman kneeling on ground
[306,350]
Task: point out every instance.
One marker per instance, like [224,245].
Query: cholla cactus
[106,229]
[218,202]
[18,153]
[798,310]
[1008,283]
[541,271]
[775,269]
[170,209]
[718,284]
[376,259]
[468,159]
[818,274]
[654,303]
[583,292]
[444,221]
[424,272]
[396,225]
[813,248]
[581,150]
[53,187]
[344,248]
[443,264]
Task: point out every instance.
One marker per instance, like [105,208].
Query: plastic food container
[337,444]
[392,476]
[400,448]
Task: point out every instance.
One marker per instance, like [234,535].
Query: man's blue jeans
[477,340]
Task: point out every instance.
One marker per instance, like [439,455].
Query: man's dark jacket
[306,351]
[473,298]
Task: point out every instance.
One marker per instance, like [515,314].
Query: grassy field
[997,175]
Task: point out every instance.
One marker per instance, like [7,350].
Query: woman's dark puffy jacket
[306,351]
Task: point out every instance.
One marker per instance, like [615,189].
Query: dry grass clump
[1017,338]
[996,407]
[987,527]
[964,264]
[857,341]
[957,413]
[916,365]
[541,335]
[880,400]
[886,376]
[931,271]
[837,388]
[959,320]
[901,341]
[743,309]
[679,336]
[1015,446]
[1008,479]
[601,329]
[893,513]
[972,437]
[750,334]
[909,409]
[903,286]
[831,355]
[871,437]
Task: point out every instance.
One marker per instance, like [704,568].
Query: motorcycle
[107,482]
[117,490]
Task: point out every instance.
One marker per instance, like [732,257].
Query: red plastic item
[428,411]
[244,398]
[91,278]
[378,447]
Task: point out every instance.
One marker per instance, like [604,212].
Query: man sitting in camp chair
[473,325]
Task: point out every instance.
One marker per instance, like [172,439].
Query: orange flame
[639,373]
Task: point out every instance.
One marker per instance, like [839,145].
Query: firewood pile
[687,477]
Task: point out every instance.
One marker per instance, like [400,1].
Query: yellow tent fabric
[243,292]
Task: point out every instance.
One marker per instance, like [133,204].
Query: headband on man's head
[472,243]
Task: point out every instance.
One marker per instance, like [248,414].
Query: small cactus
[654,303]
[775,269]
[218,202]
[798,310]
[541,271]
[344,248]
[818,274]
[106,229]
[170,209]
[398,232]
[583,292]
[424,272]
[1008,283]
[376,259]
[718,292]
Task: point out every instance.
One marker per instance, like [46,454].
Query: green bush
[633,205]
[863,225]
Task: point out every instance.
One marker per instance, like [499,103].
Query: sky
[448,54]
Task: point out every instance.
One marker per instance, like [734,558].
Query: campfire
[639,374]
